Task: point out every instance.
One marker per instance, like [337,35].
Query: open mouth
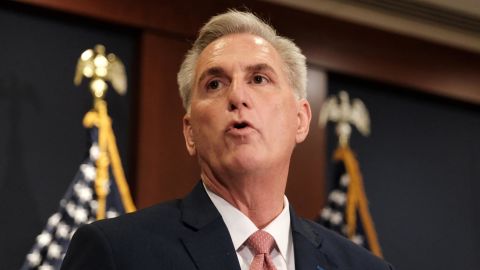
[240,125]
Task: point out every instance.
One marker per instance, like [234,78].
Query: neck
[258,196]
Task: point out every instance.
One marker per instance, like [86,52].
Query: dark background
[419,165]
[42,139]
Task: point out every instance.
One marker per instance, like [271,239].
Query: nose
[238,96]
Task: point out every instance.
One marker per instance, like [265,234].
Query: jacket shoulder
[344,253]
[157,215]
[151,236]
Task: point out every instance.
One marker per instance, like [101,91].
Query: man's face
[244,116]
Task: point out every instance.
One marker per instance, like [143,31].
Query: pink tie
[261,243]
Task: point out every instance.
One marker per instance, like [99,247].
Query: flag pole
[345,114]
[101,180]
[119,173]
[100,67]
[357,200]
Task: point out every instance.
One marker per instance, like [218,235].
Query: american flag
[78,206]
[333,214]
[347,178]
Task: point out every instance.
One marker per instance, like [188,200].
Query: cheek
[204,125]
[200,127]
[278,122]
[286,111]
[288,120]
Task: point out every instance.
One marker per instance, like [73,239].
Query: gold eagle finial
[343,113]
[93,63]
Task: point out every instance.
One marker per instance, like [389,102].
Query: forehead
[238,50]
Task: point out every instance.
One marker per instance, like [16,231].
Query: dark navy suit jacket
[190,234]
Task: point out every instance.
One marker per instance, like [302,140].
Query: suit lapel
[307,245]
[210,246]
[209,242]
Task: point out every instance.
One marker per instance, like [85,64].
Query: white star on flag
[54,250]
[84,193]
[336,218]
[44,239]
[54,219]
[88,171]
[94,151]
[80,215]
[63,230]
[34,258]
[45,267]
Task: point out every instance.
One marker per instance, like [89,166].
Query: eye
[259,79]
[214,85]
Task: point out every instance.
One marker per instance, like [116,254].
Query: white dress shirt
[241,227]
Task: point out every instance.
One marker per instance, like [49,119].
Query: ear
[188,134]
[304,116]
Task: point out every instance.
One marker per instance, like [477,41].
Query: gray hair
[236,22]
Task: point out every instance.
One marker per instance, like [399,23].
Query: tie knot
[261,242]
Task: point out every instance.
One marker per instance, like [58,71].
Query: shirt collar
[241,227]
[279,228]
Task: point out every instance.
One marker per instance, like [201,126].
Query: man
[244,91]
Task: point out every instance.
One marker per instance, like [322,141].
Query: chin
[246,162]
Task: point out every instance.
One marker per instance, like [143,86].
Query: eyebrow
[218,71]
[213,71]
[260,67]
